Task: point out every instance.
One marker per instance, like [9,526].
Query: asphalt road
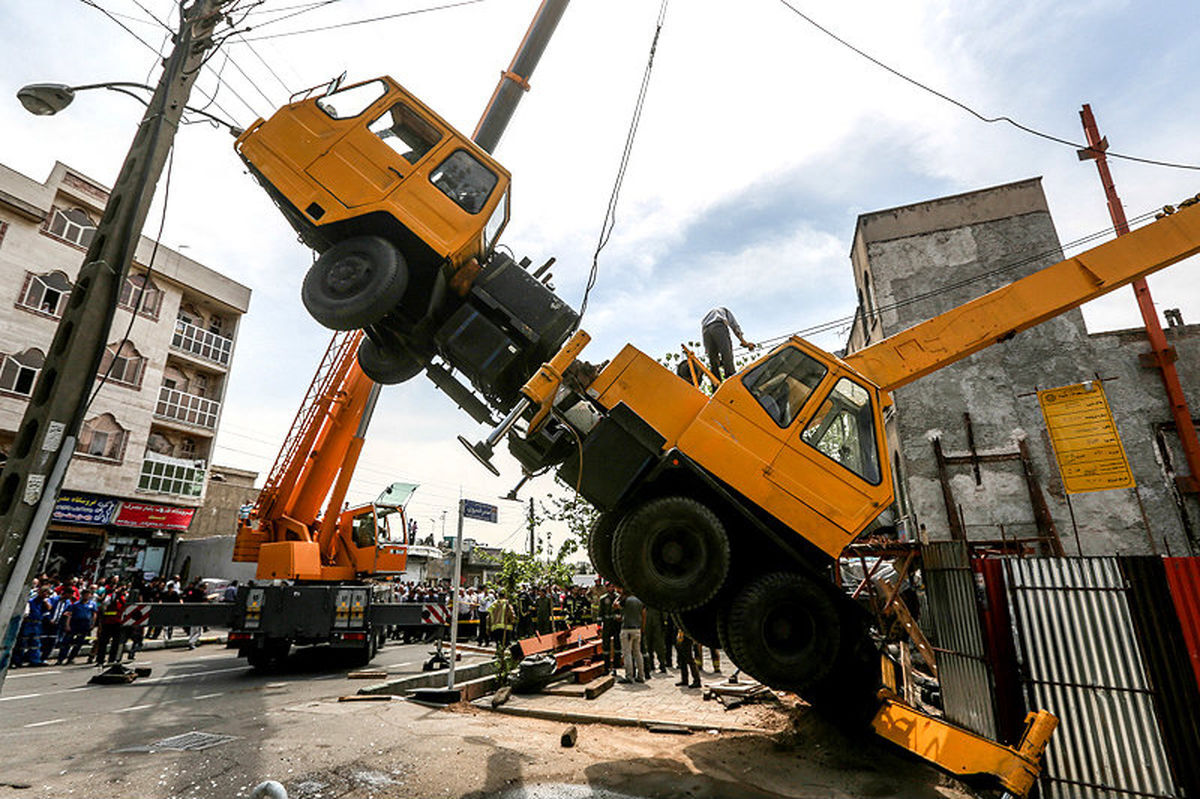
[51,716]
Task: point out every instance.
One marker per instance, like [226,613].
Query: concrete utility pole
[45,441]
[1162,355]
[531,528]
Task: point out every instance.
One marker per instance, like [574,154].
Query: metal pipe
[514,81]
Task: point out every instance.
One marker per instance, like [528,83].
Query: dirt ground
[480,755]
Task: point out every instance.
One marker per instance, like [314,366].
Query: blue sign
[480,511]
[83,509]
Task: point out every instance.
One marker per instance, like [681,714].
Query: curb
[155,644]
[431,679]
[615,721]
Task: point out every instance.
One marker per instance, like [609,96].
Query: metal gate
[1081,660]
[963,669]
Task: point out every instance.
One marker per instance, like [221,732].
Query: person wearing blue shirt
[81,618]
[29,649]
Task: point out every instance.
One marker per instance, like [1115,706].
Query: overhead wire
[834,324]
[963,106]
[335,26]
[610,212]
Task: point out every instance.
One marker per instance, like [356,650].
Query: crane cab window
[406,132]
[462,178]
[352,101]
[362,529]
[844,430]
[783,382]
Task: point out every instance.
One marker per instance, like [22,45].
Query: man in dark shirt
[81,618]
[633,619]
[610,627]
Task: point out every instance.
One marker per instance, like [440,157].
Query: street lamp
[47,99]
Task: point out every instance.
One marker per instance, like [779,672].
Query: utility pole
[1162,355]
[531,528]
[45,441]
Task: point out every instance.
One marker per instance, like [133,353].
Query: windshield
[844,430]
[406,132]
[353,101]
[462,178]
[782,383]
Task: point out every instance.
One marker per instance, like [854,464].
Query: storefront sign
[1085,438]
[74,508]
[163,517]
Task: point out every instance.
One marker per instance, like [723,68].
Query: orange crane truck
[323,567]
[726,509]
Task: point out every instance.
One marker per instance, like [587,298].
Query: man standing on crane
[714,332]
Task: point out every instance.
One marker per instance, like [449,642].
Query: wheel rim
[676,553]
[349,276]
[788,629]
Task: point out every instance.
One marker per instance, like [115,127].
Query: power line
[610,212]
[304,9]
[833,324]
[127,29]
[969,109]
[258,55]
[357,21]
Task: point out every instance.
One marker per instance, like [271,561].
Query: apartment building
[142,461]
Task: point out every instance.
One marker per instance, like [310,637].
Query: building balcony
[180,477]
[202,343]
[187,408]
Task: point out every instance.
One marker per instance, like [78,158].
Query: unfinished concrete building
[971,455]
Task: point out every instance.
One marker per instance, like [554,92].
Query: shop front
[94,536]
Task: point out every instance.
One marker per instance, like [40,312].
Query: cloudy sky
[761,142]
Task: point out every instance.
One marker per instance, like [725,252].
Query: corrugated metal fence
[963,668]
[1080,659]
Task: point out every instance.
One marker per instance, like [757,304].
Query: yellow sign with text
[1084,435]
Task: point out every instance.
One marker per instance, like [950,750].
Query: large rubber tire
[355,283]
[270,657]
[785,631]
[600,543]
[700,624]
[672,553]
[387,367]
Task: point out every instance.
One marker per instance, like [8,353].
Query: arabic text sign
[1084,435]
[479,510]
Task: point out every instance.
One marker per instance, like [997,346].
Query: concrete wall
[228,490]
[959,248]
[210,557]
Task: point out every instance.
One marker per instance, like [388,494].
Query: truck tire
[355,283]
[387,367]
[600,545]
[672,553]
[700,624]
[270,657]
[785,631]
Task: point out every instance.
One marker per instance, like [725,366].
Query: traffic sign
[480,511]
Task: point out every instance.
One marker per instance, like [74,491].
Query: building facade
[970,452]
[141,465]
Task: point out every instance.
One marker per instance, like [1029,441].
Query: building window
[46,294]
[19,372]
[101,437]
[172,476]
[187,448]
[200,385]
[142,293]
[72,225]
[215,324]
[123,364]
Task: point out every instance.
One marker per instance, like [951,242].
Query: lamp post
[46,438]
[47,99]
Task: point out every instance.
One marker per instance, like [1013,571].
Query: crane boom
[997,316]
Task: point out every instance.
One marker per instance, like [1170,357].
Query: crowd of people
[64,615]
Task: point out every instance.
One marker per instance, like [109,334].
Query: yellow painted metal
[994,317]
[542,388]
[964,753]
[341,167]
[1084,435]
[662,399]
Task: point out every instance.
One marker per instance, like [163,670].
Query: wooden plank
[598,686]
[566,689]
[367,675]
[588,672]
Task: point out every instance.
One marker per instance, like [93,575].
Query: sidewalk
[658,701]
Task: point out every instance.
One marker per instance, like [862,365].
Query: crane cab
[372,159]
